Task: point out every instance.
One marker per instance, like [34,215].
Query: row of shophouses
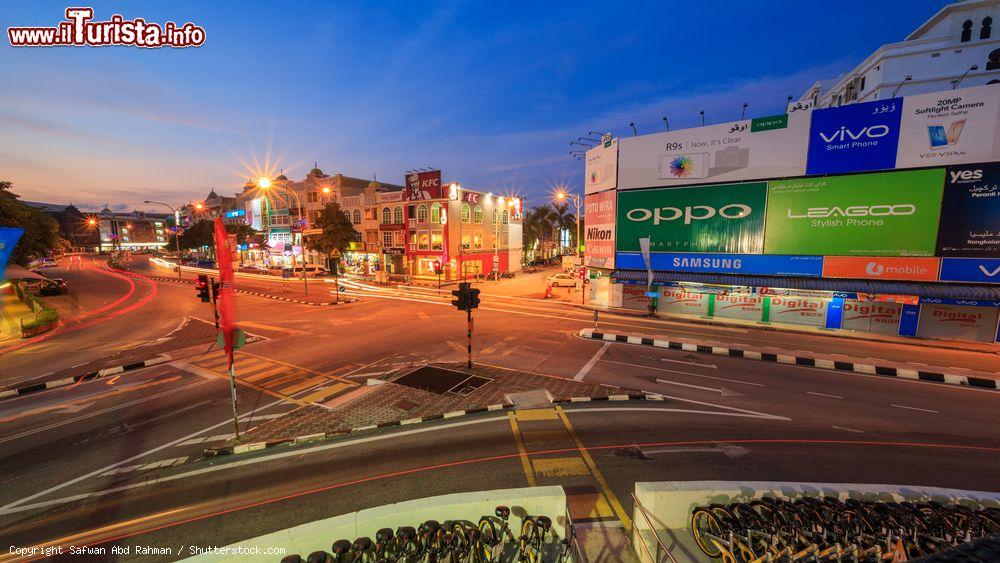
[416,230]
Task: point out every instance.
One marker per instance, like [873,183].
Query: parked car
[561,280]
[312,270]
[54,286]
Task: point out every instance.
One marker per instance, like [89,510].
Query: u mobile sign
[79,30]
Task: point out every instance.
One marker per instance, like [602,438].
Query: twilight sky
[490,92]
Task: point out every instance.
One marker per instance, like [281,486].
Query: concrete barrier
[320,534]
[668,506]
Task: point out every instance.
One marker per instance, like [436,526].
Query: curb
[343,301]
[257,446]
[20,391]
[867,369]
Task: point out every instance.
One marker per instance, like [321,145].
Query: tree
[41,232]
[338,232]
[563,219]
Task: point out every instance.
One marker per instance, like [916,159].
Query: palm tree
[537,228]
[562,219]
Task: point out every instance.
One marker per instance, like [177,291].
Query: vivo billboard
[766,147]
[855,137]
[950,127]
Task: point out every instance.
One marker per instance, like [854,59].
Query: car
[312,270]
[52,286]
[561,280]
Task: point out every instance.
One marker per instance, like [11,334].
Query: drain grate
[441,380]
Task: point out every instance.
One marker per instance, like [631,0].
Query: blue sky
[490,92]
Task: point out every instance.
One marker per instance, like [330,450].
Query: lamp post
[265,185]
[177,227]
[908,78]
[563,195]
[955,83]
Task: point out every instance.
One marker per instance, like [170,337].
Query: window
[477,215]
[466,241]
[397,238]
[496,216]
[966,31]
[312,197]
[356,237]
[466,213]
[397,215]
[437,240]
[506,217]
[386,239]
[477,240]
[386,216]
[987,29]
[425,240]
[862,85]
[413,239]
[356,217]
[993,62]
[422,213]
[436,213]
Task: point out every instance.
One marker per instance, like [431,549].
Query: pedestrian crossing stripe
[263,374]
[278,378]
[303,385]
[325,392]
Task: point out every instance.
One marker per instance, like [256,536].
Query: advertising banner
[602,167]
[767,147]
[879,268]
[723,218]
[974,270]
[739,306]
[957,321]
[676,300]
[798,310]
[884,214]
[599,223]
[871,316]
[634,297]
[423,185]
[855,137]
[950,127]
[754,264]
[970,211]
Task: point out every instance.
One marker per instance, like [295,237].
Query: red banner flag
[225,300]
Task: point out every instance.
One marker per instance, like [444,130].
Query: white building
[958,43]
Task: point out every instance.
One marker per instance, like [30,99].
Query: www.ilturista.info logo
[79,30]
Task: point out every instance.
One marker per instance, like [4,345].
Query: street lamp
[955,83]
[177,227]
[905,80]
[563,195]
[264,183]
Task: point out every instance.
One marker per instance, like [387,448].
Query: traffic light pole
[232,391]
[469,313]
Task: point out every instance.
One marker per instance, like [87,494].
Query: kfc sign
[471,197]
[423,185]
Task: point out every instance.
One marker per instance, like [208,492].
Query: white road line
[913,408]
[701,365]
[14,508]
[205,439]
[147,466]
[712,389]
[265,416]
[7,507]
[823,395]
[688,373]
[848,429]
[590,364]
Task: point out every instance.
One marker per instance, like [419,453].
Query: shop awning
[937,290]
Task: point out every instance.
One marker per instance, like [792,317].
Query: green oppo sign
[720,218]
[883,214]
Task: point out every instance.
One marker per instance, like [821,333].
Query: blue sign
[650,294]
[8,238]
[235,213]
[975,270]
[970,211]
[854,137]
[969,302]
[754,264]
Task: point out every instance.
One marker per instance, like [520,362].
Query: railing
[652,530]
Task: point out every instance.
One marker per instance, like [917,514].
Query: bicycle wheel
[526,545]
[490,542]
[704,521]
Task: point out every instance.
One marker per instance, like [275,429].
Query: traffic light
[437,267]
[462,293]
[215,290]
[202,286]
[473,301]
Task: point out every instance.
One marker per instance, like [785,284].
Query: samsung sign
[753,264]
[854,137]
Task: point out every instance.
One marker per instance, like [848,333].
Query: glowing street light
[326,189]
[263,182]
[199,206]
[562,195]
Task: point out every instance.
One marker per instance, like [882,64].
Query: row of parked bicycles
[828,529]
[452,541]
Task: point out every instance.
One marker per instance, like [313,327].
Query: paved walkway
[12,312]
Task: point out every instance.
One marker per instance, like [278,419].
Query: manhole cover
[440,380]
[406,405]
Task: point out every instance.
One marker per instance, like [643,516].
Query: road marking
[225,377]
[616,506]
[730,451]
[711,389]
[590,364]
[147,466]
[525,464]
[913,408]
[536,414]
[687,373]
[323,393]
[823,395]
[560,466]
[206,439]
[848,429]
[701,365]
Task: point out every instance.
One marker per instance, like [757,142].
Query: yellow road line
[325,392]
[559,466]
[304,385]
[258,387]
[264,374]
[284,378]
[525,464]
[536,414]
[307,370]
[608,493]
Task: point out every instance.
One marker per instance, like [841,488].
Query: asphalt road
[120,457]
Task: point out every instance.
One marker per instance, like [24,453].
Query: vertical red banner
[225,300]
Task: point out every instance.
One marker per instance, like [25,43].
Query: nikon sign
[722,218]
[887,214]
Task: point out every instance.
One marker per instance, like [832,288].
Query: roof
[937,290]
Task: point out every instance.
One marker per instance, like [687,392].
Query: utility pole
[466,300]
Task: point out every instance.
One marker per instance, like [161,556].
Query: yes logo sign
[854,137]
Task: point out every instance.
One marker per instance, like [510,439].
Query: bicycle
[493,531]
[531,545]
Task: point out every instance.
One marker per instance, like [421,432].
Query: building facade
[136,231]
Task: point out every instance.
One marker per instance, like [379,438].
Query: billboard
[677,300]
[975,270]
[855,137]
[970,211]
[739,306]
[602,167]
[752,264]
[423,185]
[950,127]
[871,316]
[887,214]
[750,149]
[798,310]
[723,218]
[599,224]
[958,321]
[878,268]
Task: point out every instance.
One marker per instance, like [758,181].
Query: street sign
[239,339]
[335,254]
[342,289]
